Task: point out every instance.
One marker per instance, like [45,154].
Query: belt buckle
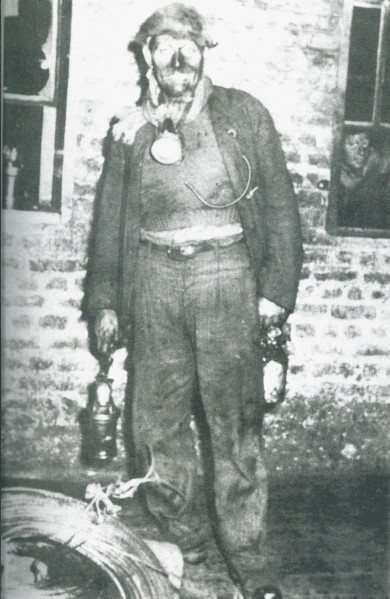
[181,253]
[187,251]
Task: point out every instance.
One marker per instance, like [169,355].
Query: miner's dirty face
[177,64]
[356,150]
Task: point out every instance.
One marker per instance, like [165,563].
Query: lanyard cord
[206,203]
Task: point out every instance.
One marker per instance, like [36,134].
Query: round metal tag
[167,149]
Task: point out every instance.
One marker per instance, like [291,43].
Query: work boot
[195,555]
[250,573]
[267,592]
[192,540]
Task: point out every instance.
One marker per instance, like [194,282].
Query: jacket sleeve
[283,260]
[102,282]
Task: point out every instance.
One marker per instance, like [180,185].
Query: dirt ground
[328,537]
[328,520]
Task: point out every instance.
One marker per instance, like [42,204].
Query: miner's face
[356,150]
[177,64]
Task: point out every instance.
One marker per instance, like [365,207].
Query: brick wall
[286,54]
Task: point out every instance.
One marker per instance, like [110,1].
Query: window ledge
[11,219]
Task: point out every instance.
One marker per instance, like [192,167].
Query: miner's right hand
[106,330]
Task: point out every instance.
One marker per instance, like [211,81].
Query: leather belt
[187,251]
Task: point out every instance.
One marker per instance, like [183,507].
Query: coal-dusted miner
[196,246]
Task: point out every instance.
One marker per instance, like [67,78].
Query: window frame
[339,119]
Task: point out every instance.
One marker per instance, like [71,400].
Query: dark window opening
[359,102]
[26,66]
[36,55]
[385,117]
[22,130]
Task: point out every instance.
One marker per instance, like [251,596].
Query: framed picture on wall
[359,200]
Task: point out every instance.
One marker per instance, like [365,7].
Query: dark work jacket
[269,216]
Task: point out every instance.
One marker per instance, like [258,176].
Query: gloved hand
[271,315]
[106,330]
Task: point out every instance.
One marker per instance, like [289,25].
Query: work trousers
[196,333]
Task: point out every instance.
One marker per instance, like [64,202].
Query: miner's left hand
[271,315]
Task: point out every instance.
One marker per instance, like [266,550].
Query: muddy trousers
[196,332]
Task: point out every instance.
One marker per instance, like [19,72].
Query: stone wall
[285,53]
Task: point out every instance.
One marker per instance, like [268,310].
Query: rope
[100,496]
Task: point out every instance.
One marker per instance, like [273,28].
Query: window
[36,48]
[360,175]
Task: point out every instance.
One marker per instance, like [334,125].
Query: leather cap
[178,20]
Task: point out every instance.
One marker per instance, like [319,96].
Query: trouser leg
[229,369]
[201,320]
[161,390]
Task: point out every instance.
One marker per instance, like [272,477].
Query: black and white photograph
[195,299]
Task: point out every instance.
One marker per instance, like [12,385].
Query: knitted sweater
[167,203]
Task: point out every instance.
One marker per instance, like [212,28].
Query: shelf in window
[13,219]
[366,124]
[368,3]
[360,232]
[24,99]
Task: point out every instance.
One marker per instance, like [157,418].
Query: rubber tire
[31,513]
